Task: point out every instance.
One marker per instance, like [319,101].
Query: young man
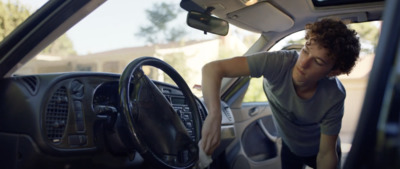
[305,96]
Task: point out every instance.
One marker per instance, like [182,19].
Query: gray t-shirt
[299,121]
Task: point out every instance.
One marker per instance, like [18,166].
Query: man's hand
[212,74]
[327,156]
[211,133]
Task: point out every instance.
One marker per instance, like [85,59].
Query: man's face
[312,65]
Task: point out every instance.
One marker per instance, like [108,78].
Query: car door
[257,143]
[376,141]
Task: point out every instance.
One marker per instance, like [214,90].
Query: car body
[115,108]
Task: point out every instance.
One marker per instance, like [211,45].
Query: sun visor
[262,17]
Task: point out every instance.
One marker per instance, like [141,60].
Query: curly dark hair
[342,43]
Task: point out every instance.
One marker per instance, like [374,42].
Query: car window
[13,13]
[120,31]
[355,83]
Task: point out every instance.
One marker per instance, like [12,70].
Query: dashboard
[64,117]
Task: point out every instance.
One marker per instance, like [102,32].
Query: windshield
[121,30]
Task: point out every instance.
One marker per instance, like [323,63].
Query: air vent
[31,83]
[56,115]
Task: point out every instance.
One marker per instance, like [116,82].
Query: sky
[113,26]
[119,29]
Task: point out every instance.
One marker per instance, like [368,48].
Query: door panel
[257,144]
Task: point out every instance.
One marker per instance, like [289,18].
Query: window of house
[80,67]
[111,66]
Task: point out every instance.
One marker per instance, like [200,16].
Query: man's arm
[212,74]
[327,156]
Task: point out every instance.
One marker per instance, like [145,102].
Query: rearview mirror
[207,23]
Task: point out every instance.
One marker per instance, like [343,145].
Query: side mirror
[207,23]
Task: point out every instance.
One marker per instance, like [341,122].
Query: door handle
[253,111]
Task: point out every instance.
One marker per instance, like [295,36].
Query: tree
[160,29]
[61,47]
[13,14]
[369,32]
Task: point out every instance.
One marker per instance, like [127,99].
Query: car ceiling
[286,15]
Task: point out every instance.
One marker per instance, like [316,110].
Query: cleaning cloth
[204,159]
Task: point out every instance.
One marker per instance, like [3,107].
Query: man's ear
[334,73]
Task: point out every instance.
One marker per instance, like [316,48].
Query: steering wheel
[152,126]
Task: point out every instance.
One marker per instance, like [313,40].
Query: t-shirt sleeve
[270,64]
[332,122]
